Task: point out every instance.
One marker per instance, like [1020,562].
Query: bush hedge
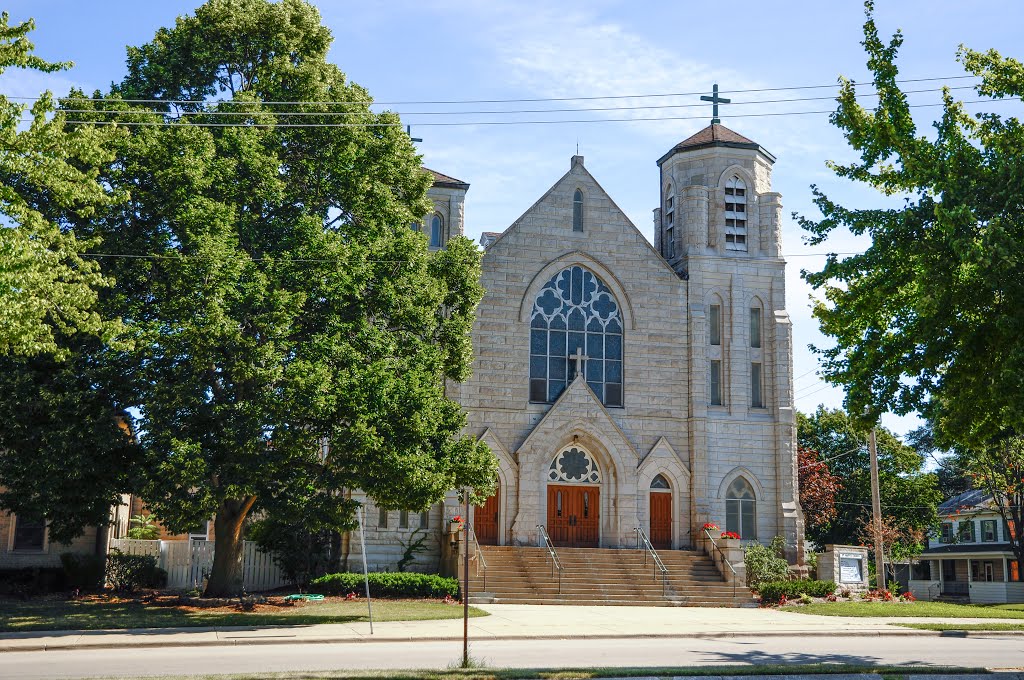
[771,592]
[387,584]
[127,573]
[82,571]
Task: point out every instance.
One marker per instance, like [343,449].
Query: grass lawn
[592,673]
[103,612]
[964,626]
[916,609]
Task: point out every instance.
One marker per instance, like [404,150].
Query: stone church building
[623,384]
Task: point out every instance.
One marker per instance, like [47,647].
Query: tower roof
[442,180]
[713,135]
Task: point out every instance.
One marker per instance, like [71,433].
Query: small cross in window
[578,360]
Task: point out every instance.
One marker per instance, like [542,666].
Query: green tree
[929,316]
[48,175]
[292,334]
[842,444]
[65,450]
[65,453]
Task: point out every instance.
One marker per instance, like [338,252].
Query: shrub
[144,528]
[127,573]
[765,563]
[388,584]
[805,598]
[84,572]
[772,592]
[302,554]
[908,597]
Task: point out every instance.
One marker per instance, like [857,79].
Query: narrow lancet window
[577,211]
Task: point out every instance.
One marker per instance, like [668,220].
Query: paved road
[996,651]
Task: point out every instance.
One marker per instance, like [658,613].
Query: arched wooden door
[574,515]
[661,514]
[485,519]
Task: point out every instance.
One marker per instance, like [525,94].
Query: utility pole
[876,509]
[465,587]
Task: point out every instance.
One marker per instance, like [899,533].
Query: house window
[382,519]
[755,327]
[577,211]
[735,214]
[947,532]
[670,223]
[988,531]
[403,519]
[575,314]
[756,397]
[741,509]
[965,531]
[29,533]
[1008,533]
[715,324]
[415,226]
[425,519]
[436,227]
[715,383]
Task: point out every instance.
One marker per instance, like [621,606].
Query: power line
[183,257]
[516,100]
[461,113]
[488,122]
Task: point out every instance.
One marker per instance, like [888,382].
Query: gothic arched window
[735,214]
[669,247]
[577,211]
[436,225]
[741,509]
[575,314]
[659,483]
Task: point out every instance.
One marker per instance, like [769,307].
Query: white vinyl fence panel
[188,563]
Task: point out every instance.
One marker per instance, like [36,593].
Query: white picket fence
[187,563]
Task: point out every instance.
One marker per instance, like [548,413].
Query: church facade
[626,385]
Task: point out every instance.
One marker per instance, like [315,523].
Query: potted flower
[730,534]
[455,524]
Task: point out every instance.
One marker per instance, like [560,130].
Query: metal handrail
[480,561]
[555,562]
[724,559]
[641,538]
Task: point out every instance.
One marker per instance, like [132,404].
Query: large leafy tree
[929,317]
[48,172]
[910,495]
[292,334]
[65,454]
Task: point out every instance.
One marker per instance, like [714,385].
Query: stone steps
[602,576]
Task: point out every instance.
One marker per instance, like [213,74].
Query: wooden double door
[574,516]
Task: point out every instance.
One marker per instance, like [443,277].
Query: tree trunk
[226,575]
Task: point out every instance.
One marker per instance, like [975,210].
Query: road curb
[284,640]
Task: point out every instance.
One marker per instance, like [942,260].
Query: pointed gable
[577,408]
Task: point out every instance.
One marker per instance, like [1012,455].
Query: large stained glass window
[575,315]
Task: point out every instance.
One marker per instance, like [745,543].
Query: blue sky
[464,50]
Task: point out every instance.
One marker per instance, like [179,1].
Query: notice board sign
[851,568]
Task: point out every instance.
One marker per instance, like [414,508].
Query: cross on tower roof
[715,100]
[408,131]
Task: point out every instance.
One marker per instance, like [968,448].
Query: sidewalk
[506,622]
